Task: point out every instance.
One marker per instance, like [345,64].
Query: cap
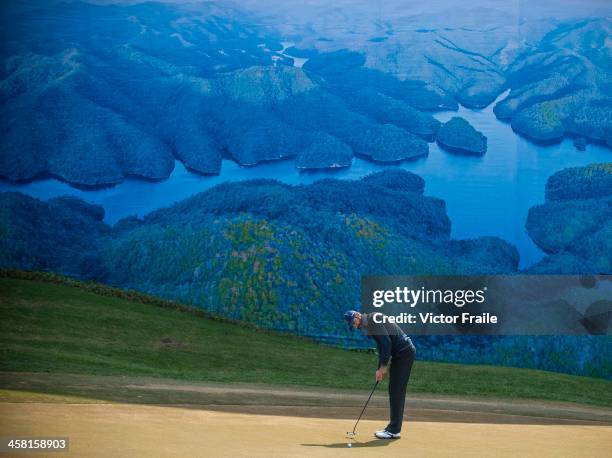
[349,317]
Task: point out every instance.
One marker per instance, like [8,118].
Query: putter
[351,434]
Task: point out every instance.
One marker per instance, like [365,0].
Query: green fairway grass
[62,329]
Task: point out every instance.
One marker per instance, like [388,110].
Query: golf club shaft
[364,407]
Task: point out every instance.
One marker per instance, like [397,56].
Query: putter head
[350,435]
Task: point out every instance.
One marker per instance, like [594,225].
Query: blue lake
[488,195]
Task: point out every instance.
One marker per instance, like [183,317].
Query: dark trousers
[399,374]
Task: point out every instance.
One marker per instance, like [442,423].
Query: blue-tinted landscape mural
[256,158]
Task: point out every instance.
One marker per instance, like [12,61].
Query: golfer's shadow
[372,443]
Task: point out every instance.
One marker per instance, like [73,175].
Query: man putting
[396,354]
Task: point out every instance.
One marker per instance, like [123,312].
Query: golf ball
[349,445]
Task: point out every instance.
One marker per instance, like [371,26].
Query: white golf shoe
[384,434]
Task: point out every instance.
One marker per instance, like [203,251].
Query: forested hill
[262,251]
[259,251]
[140,85]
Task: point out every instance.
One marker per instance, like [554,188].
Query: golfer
[395,355]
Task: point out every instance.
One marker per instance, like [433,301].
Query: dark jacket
[390,339]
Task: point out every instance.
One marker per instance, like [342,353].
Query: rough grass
[54,328]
